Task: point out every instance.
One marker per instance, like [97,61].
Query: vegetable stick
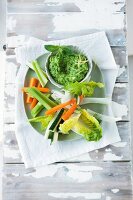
[58,107]
[69,112]
[43,99]
[105,101]
[81,97]
[37,109]
[35,101]
[40,73]
[39,85]
[33,82]
[33,104]
[44,90]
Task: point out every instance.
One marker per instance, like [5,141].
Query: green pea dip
[68,68]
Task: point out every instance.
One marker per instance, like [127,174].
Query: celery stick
[40,73]
[43,99]
[103,117]
[37,109]
[105,101]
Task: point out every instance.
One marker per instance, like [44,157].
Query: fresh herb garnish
[69,50]
[83,88]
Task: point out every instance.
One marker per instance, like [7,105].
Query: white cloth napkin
[35,150]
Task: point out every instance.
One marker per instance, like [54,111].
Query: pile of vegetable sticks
[35,95]
[38,101]
[57,115]
[34,82]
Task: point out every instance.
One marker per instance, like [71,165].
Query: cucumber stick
[57,120]
[40,73]
[43,99]
[55,137]
[51,132]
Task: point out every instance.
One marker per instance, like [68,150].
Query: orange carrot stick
[69,112]
[58,107]
[33,82]
[44,90]
[39,85]
[33,104]
[81,97]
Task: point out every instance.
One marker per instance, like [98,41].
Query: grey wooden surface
[104,174]
[2,24]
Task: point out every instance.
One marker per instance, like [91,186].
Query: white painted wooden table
[102,174]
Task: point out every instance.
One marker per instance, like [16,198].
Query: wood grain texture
[120,151]
[2,24]
[24,6]
[69,181]
[57,25]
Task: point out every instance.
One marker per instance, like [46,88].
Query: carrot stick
[33,104]
[44,90]
[81,97]
[39,85]
[33,82]
[35,101]
[58,107]
[69,112]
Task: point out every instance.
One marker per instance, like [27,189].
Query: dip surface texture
[66,69]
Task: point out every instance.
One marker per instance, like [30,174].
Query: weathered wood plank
[131,102]
[57,25]
[2,24]
[119,151]
[121,60]
[110,181]
[24,6]
[120,55]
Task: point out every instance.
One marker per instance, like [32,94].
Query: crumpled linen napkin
[35,150]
